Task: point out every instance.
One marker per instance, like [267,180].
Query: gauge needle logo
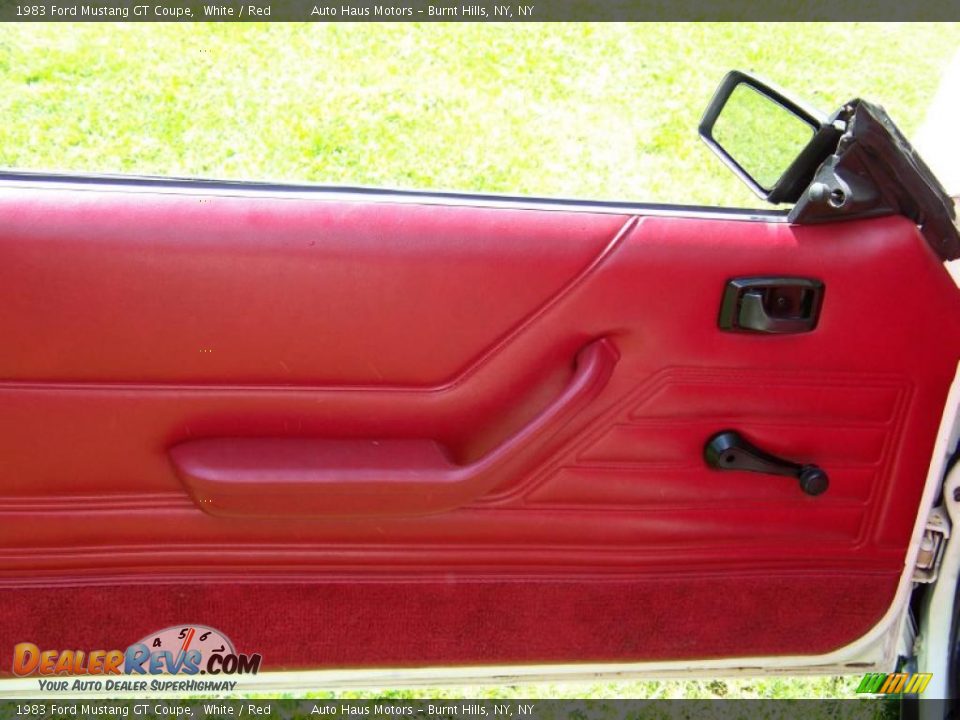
[183,648]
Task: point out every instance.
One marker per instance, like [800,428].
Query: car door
[364,429]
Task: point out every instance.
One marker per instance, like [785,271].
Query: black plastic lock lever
[772,305]
[728,450]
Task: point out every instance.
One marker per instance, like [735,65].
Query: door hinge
[932,543]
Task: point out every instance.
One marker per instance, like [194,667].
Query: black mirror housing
[799,173]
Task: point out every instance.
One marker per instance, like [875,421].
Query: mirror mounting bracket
[856,165]
[875,171]
[841,189]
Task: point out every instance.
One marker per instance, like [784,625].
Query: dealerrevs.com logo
[185,650]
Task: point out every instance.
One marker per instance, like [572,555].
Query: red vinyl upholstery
[135,322]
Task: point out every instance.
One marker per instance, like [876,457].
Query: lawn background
[581,110]
[604,111]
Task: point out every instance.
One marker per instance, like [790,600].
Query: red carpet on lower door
[437,622]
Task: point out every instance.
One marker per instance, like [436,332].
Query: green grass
[602,111]
[749,688]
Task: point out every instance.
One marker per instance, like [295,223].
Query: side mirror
[772,142]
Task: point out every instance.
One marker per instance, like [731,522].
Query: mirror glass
[761,135]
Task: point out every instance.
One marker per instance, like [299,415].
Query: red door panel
[377,415]
[168,288]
